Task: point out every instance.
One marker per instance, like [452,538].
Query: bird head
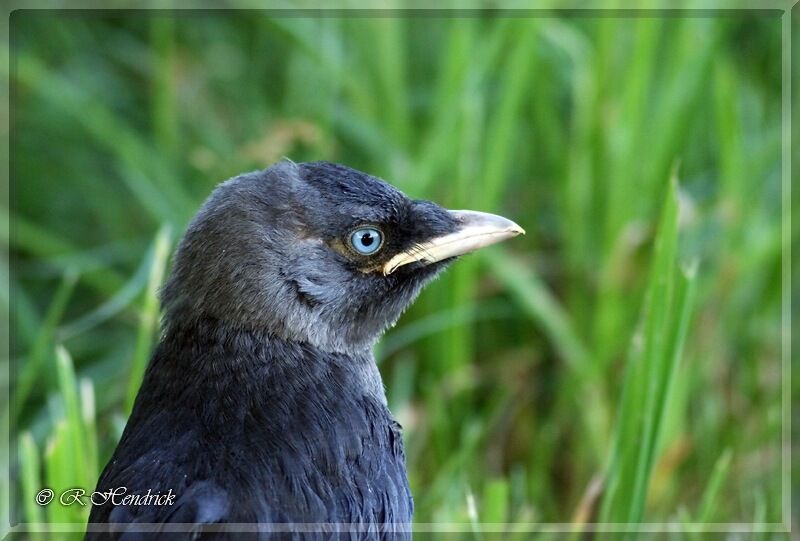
[317,253]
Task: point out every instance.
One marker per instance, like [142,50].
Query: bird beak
[475,230]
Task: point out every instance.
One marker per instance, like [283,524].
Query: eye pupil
[366,240]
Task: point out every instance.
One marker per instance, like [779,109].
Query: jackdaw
[262,408]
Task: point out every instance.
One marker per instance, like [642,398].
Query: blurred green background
[620,363]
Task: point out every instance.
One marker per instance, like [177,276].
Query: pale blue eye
[366,240]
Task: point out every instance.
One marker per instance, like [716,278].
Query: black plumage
[262,403]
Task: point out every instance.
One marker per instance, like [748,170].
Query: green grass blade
[495,501]
[391,73]
[502,128]
[149,315]
[59,464]
[710,501]
[651,374]
[75,433]
[656,334]
[89,419]
[164,92]
[53,464]
[43,344]
[30,480]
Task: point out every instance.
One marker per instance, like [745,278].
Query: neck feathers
[213,366]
